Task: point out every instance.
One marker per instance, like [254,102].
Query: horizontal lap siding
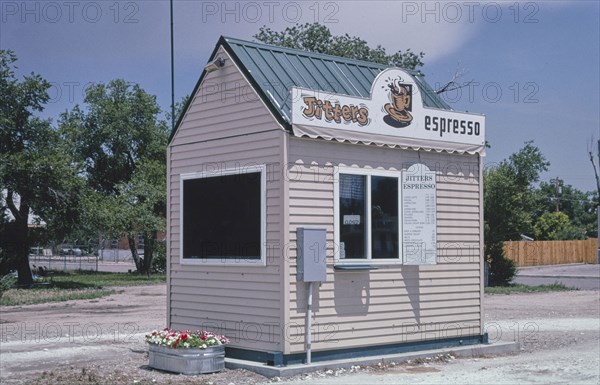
[226,104]
[392,304]
[219,133]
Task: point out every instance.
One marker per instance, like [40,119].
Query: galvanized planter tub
[187,360]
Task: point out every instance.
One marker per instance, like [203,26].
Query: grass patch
[80,279]
[14,297]
[520,288]
[58,286]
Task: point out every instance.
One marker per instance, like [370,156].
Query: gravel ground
[100,342]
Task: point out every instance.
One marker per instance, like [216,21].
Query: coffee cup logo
[400,106]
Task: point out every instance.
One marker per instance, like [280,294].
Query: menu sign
[419,240]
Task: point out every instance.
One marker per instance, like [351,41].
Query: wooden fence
[534,253]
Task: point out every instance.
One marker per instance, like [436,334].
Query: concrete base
[293,370]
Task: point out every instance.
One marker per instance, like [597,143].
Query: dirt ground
[101,342]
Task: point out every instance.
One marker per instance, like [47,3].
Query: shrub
[7,282]
[502,270]
[159,262]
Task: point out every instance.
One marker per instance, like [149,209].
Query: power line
[591,200]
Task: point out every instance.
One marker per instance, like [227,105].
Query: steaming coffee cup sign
[400,106]
[393,113]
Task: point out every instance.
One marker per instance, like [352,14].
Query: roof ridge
[312,54]
[324,72]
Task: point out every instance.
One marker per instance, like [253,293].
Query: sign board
[394,111]
[352,219]
[419,238]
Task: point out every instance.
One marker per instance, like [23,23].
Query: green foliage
[580,208]
[159,262]
[508,198]
[316,37]
[179,108]
[119,128]
[572,233]
[504,211]
[556,226]
[508,194]
[36,170]
[527,164]
[103,169]
[549,224]
[7,282]
[121,144]
[502,270]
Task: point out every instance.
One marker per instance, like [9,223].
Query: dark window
[368,232]
[384,217]
[222,217]
[352,216]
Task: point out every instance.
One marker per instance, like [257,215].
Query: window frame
[219,260]
[368,173]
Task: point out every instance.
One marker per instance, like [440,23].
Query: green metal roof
[272,70]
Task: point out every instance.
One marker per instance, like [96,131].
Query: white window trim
[336,215]
[232,261]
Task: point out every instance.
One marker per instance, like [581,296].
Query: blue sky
[534,66]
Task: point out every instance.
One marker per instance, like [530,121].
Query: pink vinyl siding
[227,126]
[397,303]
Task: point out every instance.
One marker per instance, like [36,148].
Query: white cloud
[430,27]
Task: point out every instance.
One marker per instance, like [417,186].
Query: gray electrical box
[312,245]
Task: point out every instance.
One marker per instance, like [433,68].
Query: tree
[580,208]
[179,108]
[139,208]
[318,38]
[122,145]
[508,193]
[36,174]
[119,128]
[554,226]
[508,198]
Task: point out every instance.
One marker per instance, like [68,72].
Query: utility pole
[172,73]
[591,154]
[558,183]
